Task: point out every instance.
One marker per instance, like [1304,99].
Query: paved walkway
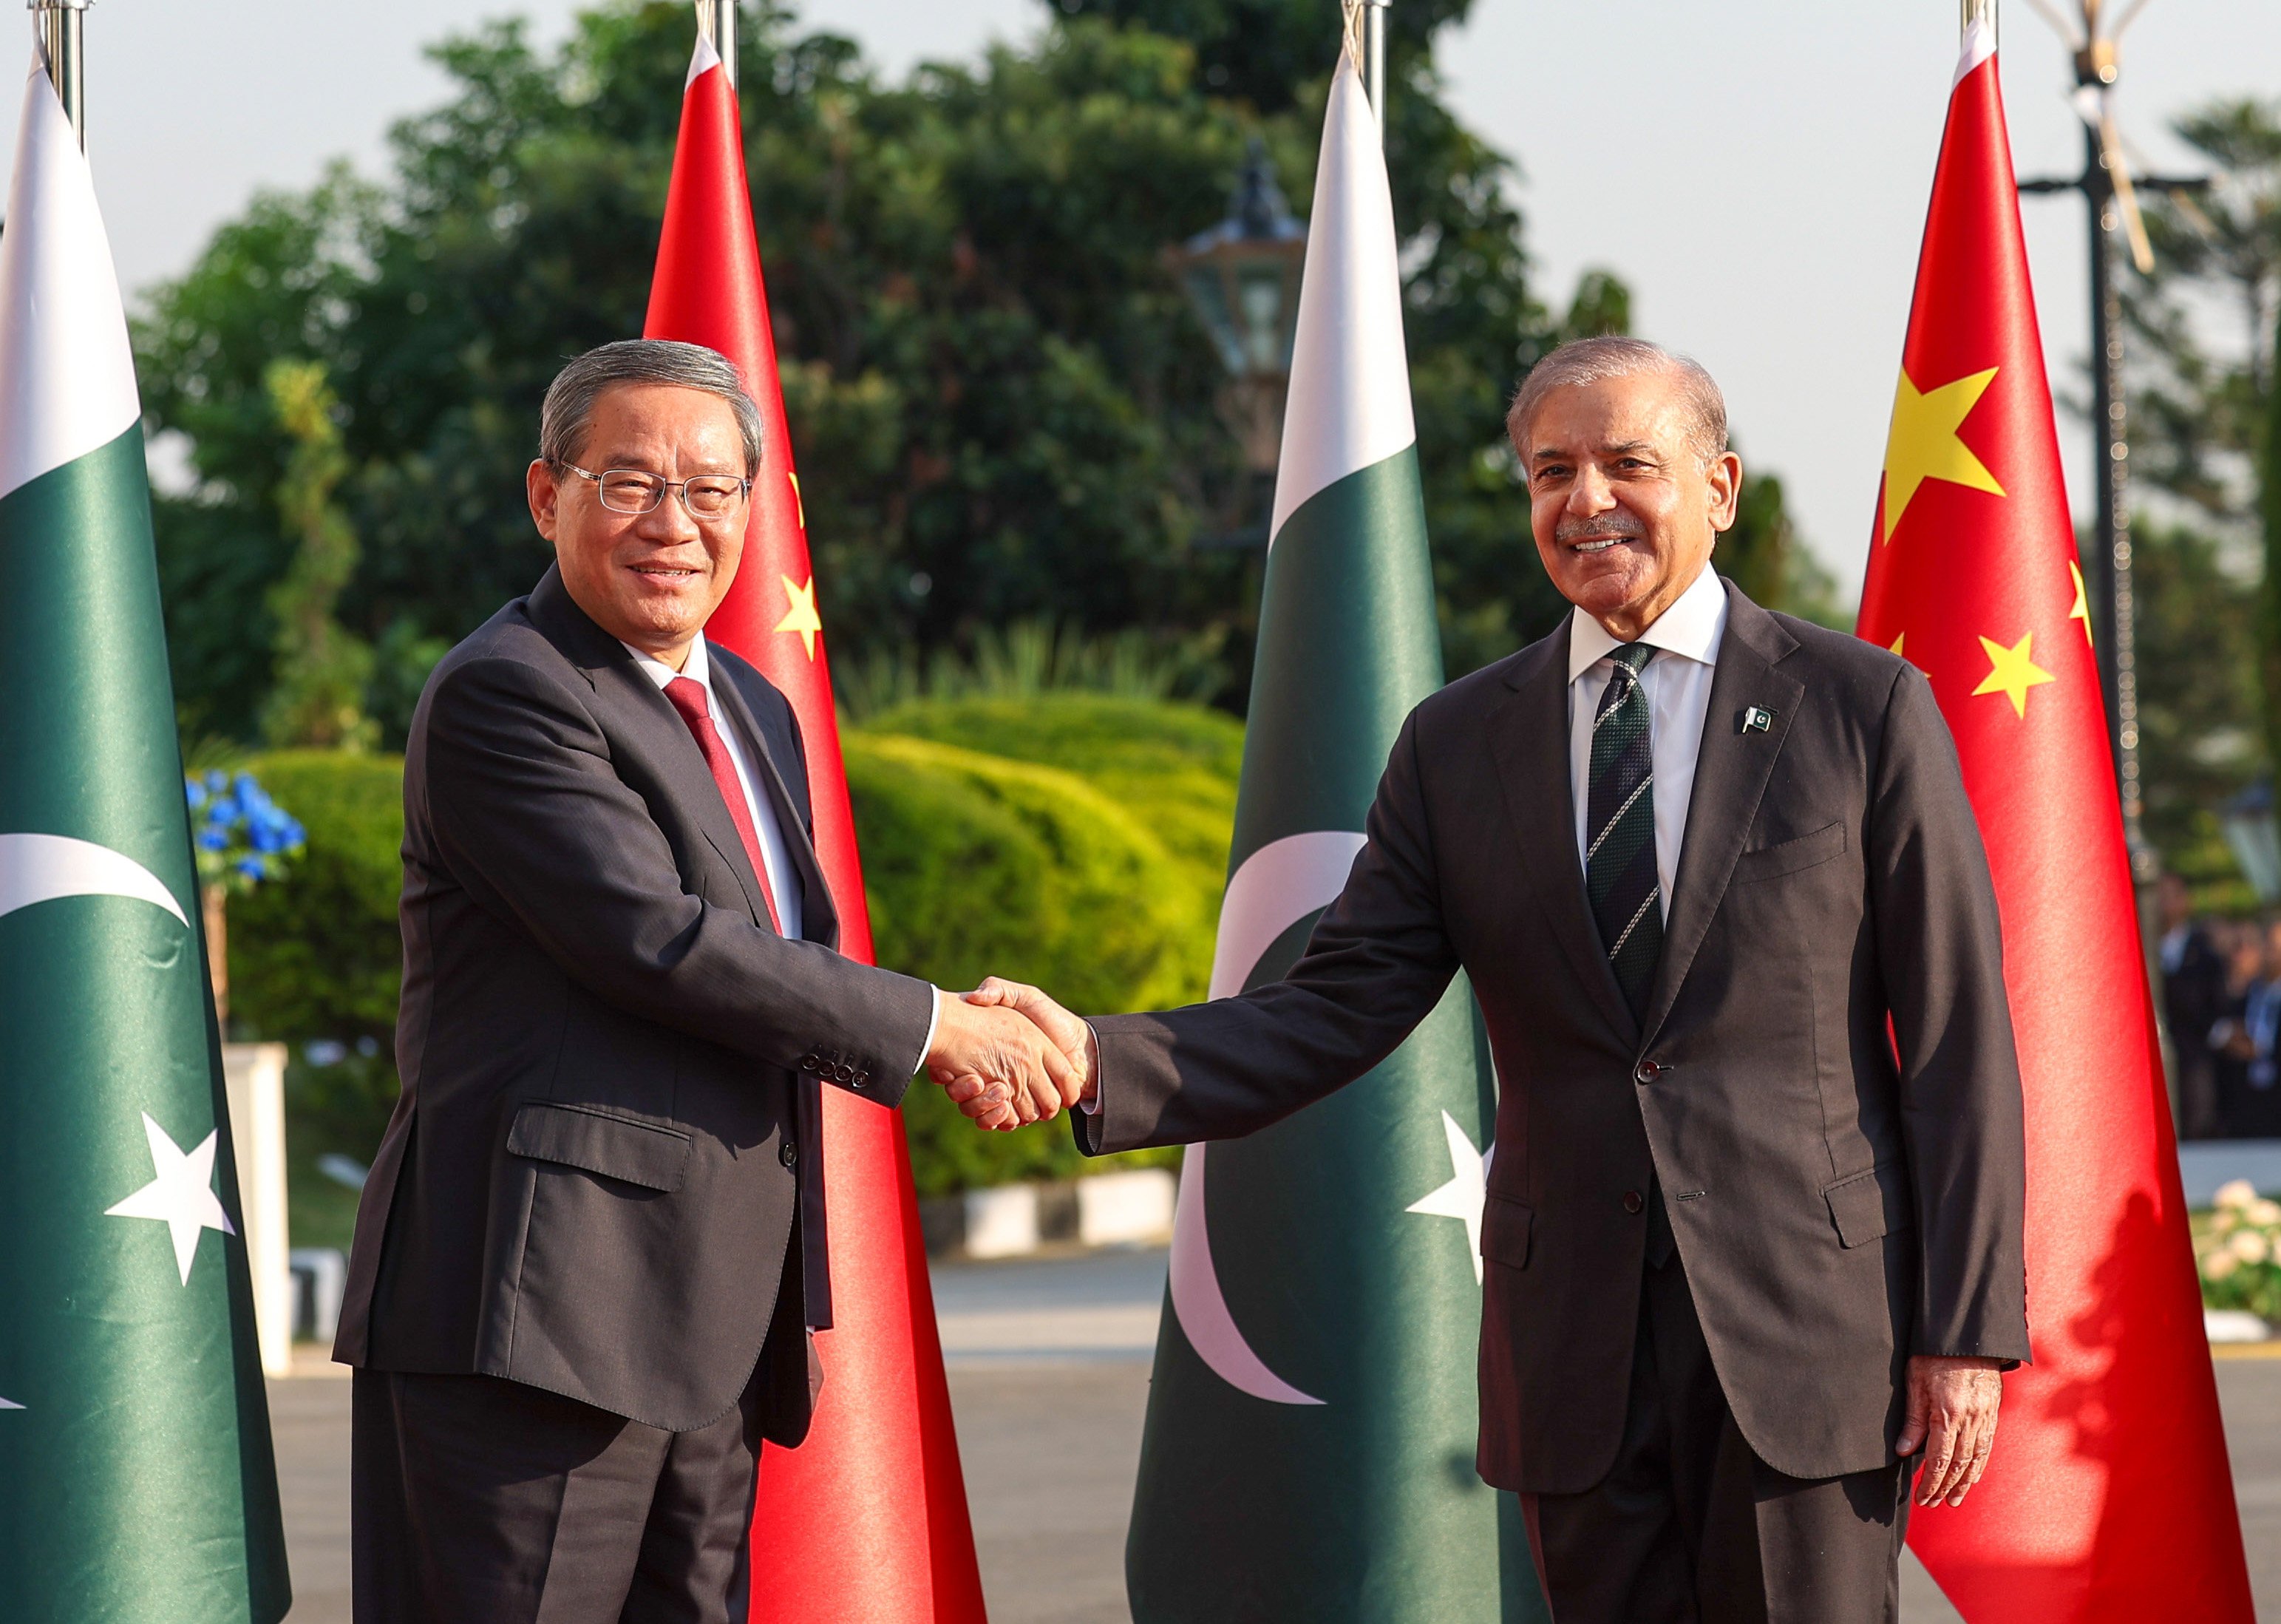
[1049,1377]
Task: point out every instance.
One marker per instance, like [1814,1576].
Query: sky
[1756,171]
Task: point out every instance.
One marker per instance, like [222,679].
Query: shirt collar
[697,668]
[1693,627]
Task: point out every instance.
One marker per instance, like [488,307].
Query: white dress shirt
[784,879]
[1677,683]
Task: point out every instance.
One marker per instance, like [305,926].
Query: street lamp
[1242,276]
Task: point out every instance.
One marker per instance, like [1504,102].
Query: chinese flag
[867,1519]
[2109,1497]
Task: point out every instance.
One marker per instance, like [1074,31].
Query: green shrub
[1172,766]
[317,955]
[977,865]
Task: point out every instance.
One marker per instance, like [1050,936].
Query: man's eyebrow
[1619,448]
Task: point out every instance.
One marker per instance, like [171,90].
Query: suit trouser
[476,1500]
[1690,1525]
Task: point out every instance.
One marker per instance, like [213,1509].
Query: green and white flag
[136,1482]
[1309,1451]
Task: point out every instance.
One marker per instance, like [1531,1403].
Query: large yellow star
[1923,443]
[2011,672]
[801,616]
[2082,610]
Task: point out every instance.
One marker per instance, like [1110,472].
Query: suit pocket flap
[641,1153]
[1870,1205]
[1788,857]
[1505,1224]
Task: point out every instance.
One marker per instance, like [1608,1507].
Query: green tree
[1003,408]
[2201,394]
[317,697]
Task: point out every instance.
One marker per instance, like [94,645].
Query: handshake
[1006,1054]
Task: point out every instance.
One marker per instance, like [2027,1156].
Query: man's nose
[668,521]
[1591,493]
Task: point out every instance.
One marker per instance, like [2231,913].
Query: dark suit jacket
[1836,1211]
[610,1060]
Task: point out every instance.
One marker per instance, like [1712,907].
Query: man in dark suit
[1747,1254]
[593,1244]
[2193,999]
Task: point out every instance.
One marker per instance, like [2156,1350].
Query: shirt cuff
[1092,1108]
[934,1019]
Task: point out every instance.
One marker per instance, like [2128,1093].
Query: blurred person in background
[2245,1035]
[2193,997]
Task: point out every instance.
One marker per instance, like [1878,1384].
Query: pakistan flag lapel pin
[1757,719]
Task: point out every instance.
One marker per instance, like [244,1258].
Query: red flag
[867,1520]
[2109,1497]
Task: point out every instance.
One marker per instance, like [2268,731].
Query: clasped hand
[1006,1055]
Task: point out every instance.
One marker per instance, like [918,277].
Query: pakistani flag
[1310,1432]
[136,1478]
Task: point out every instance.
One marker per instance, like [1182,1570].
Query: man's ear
[1726,477]
[544,491]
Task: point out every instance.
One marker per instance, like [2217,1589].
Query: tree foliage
[2209,561]
[1002,406]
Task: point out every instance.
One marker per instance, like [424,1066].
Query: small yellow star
[1923,443]
[2082,610]
[801,616]
[798,503]
[2011,672]
[1898,641]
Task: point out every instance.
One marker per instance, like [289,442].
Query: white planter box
[1001,1223]
[1129,1209]
[255,1076]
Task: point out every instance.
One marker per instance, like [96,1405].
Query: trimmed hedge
[317,955]
[975,864]
[1173,767]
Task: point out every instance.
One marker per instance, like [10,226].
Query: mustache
[1618,523]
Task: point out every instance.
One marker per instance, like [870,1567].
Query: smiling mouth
[1597,545]
[665,572]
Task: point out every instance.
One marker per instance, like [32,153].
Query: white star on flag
[1467,1190]
[182,1196]
[6,1405]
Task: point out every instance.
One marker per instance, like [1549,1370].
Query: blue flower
[253,867]
[211,839]
[196,792]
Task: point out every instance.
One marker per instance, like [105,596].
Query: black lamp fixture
[1242,276]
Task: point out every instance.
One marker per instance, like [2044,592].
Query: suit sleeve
[529,815]
[1376,965]
[1941,953]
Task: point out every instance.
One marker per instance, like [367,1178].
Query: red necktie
[688,697]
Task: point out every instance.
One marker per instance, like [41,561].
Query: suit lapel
[1528,735]
[603,661]
[1730,779]
[819,919]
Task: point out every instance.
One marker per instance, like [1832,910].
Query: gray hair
[569,409]
[1595,360]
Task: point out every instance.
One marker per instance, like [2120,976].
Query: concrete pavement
[1049,1364]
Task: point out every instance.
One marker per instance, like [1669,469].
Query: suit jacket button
[788,1153]
[1633,1200]
[1646,1071]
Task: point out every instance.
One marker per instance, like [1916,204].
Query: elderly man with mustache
[1753,1230]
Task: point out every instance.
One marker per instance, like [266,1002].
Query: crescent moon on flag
[1278,885]
[39,868]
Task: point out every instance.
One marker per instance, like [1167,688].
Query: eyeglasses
[706,496]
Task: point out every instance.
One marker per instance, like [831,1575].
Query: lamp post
[1242,277]
[2111,192]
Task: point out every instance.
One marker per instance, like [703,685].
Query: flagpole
[1373,60]
[59,40]
[716,21]
[1970,11]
